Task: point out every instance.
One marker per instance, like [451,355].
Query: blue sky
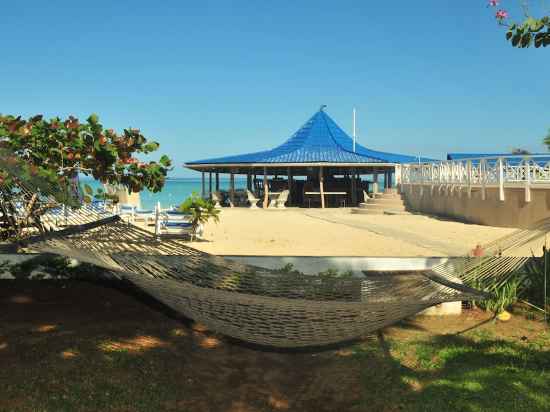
[217,78]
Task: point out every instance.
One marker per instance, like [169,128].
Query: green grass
[90,348]
[475,372]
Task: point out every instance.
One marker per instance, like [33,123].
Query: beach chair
[146,216]
[253,200]
[176,215]
[127,212]
[175,223]
[282,199]
[217,198]
[366,196]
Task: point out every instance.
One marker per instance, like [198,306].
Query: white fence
[500,172]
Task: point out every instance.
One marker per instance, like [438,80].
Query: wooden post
[217,181]
[203,184]
[353,188]
[249,181]
[289,177]
[210,185]
[266,189]
[232,189]
[321,187]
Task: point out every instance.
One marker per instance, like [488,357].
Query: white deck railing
[531,171]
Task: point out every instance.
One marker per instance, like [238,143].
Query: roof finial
[322,107]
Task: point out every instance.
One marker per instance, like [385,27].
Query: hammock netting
[250,303]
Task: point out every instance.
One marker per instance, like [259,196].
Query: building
[320,164]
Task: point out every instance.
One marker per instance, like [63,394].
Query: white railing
[507,171]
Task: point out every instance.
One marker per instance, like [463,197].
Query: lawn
[77,346]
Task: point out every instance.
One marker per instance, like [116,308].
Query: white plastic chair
[282,199]
[127,212]
[252,199]
[216,198]
[144,215]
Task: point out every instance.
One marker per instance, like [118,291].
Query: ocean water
[175,190]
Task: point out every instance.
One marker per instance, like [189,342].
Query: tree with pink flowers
[531,31]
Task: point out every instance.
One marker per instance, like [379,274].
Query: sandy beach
[337,232]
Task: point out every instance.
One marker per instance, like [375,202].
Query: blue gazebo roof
[319,140]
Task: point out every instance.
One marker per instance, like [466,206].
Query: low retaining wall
[513,211]
[314,265]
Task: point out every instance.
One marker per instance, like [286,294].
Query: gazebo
[320,164]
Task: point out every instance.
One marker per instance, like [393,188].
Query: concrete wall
[512,212]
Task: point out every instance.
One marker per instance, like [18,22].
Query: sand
[337,232]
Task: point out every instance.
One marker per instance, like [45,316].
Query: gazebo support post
[249,181]
[353,187]
[289,174]
[203,188]
[375,182]
[210,185]
[266,189]
[321,187]
[232,189]
[217,182]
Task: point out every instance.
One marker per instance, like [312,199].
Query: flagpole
[354,130]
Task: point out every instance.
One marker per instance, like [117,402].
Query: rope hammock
[246,302]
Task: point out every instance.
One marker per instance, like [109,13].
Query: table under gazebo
[320,165]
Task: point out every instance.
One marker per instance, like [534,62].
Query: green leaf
[539,39]
[526,40]
[88,189]
[516,39]
[509,34]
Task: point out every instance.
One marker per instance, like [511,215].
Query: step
[396,212]
[363,211]
[386,201]
[378,206]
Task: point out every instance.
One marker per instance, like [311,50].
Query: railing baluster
[527,181]
[500,179]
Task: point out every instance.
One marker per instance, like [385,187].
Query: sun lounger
[127,212]
[217,198]
[146,216]
[253,200]
[282,199]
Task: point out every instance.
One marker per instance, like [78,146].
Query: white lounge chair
[127,212]
[366,196]
[282,199]
[217,198]
[180,226]
[253,200]
[146,216]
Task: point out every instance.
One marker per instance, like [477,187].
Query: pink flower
[493,3]
[501,14]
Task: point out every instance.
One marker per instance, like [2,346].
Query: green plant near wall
[537,284]
[503,294]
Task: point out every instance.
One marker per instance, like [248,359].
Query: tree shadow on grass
[456,372]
